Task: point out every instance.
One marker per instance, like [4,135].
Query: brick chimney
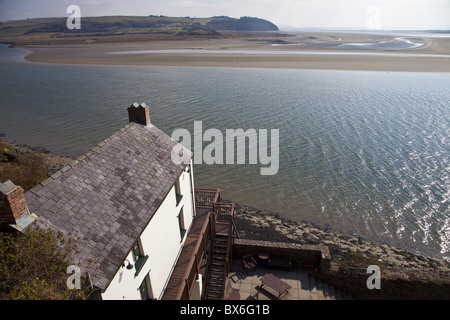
[13,207]
[139,113]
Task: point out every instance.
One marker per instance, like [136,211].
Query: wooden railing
[209,261]
[227,262]
[220,212]
[227,259]
[224,212]
[193,267]
[206,197]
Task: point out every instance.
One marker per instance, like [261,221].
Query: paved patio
[304,286]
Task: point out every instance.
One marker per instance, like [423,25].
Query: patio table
[275,283]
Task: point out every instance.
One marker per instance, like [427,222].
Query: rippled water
[364,152]
[395,44]
[288,52]
[399,43]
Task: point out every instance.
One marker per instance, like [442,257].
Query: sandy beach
[299,50]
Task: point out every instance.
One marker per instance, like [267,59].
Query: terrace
[304,286]
[212,254]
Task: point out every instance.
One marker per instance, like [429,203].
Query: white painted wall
[125,286]
[161,241]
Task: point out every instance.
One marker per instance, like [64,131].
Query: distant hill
[127,25]
[242,24]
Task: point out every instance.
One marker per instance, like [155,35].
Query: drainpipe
[191,173]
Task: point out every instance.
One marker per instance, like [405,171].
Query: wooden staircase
[223,230]
[218,268]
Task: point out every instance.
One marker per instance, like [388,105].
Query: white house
[132,209]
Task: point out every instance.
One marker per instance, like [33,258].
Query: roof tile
[109,195]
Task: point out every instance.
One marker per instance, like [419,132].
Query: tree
[33,266]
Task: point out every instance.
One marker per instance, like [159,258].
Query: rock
[256,224]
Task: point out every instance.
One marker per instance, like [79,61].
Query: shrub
[33,266]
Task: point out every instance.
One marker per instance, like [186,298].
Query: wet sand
[312,53]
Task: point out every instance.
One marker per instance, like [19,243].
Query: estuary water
[365,153]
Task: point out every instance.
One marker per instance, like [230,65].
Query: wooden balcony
[211,216]
[210,198]
[192,260]
[205,198]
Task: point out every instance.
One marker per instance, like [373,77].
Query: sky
[286,14]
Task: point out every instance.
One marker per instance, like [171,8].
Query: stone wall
[309,255]
[392,286]
[352,280]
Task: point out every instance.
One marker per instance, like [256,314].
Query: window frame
[181,224]
[178,195]
[145,289]
[139,258]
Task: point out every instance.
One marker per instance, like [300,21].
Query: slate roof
[108,196]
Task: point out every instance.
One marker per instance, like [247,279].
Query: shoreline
[255,223]
[397,264]
[311,50]
[281,229]
[53,161]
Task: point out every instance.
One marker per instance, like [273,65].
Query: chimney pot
[139,114]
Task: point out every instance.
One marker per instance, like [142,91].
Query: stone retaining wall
[308,254]
[394,288]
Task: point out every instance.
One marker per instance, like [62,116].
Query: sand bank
[300,51]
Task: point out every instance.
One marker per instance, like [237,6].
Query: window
[138,257]
[178,194]
[181,224]
[145,289]
[136,251]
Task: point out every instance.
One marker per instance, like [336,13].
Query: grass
[358,260]
[25,170]
[47,31]
[27,167]
[119,27]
